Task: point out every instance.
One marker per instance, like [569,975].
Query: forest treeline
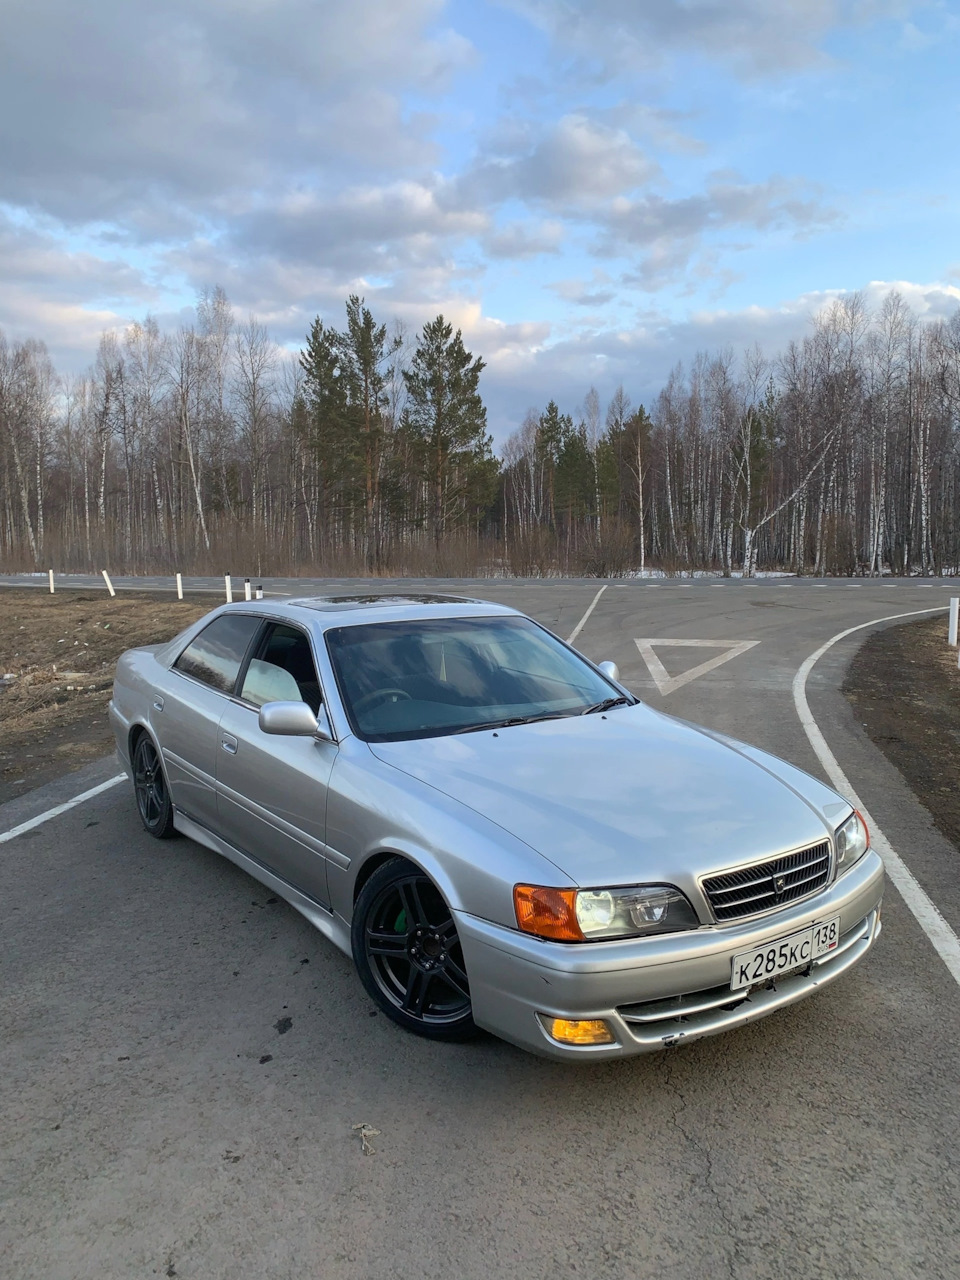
[211,449]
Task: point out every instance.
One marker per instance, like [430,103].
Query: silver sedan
[497,830]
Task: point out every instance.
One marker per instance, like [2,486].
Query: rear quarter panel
[137,677]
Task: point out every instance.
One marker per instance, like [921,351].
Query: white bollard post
[229,588]
[954,617]
[260,592]
[50,572]
[106,578]
[179,587]
[246,588]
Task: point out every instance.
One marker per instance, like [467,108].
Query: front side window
[216,654]
[437,676]
[282,669]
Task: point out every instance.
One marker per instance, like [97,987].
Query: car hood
[627,796]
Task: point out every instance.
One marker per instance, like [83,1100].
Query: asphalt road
[182,1058]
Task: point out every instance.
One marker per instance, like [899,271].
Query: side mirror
[610,670]
[292,719]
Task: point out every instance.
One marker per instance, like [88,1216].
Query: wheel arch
[136,731]
[429,866]
[140,729]
[371,864]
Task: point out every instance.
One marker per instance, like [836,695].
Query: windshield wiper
[607,703]
[504,724]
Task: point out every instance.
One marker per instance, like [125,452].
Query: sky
[592,190]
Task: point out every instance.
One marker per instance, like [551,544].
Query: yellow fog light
[584,1031]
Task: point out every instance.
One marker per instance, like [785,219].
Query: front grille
[768,884]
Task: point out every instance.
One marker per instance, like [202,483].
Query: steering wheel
[379,695]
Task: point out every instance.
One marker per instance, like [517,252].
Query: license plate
[794,952]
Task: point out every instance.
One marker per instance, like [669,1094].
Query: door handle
[229,743]
[158,704]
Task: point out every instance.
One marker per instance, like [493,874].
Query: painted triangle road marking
[667,683]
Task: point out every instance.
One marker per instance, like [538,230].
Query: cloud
[576,163]
[32,260]
[375,229]
[523,239]
[670,232]
[752,37]
[109,108]
[406,237]
[595,292]
[662,127]
[66,296]
[913,39]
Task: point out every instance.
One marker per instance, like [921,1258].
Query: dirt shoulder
[57,655]
[904,687]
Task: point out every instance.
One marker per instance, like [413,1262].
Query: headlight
[853,841]
[590,915]
[623,913]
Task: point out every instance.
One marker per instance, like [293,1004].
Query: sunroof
[333,604]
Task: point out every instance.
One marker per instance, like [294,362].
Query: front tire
[408,954]
[150,788]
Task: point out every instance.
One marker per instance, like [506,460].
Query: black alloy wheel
[408,954]
[150,788]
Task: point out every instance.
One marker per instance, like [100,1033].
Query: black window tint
[215,656]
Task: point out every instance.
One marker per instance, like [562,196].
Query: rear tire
[151,790]
[408,954]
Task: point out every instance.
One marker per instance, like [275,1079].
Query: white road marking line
[927,913]
[582,623]
[666,683]
[60,808]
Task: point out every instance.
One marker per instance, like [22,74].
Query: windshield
[420,679]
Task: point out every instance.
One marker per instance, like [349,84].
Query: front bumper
[660,991]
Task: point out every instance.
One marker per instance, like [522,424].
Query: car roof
[327,612]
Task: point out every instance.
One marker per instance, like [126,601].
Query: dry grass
[905,687]
[57,655]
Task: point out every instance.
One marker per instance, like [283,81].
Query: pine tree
[325,396]
[364,350]
[447,416]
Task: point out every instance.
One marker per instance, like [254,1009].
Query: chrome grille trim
[801,873]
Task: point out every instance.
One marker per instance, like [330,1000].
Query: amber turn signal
[580,1031]
[548,913]
[866,829]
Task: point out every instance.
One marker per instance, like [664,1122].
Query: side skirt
[329,924]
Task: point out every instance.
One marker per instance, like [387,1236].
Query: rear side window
[214,657]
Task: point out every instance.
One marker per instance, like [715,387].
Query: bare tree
[253,390]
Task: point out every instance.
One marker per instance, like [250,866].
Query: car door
[272,790]
[185,713]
